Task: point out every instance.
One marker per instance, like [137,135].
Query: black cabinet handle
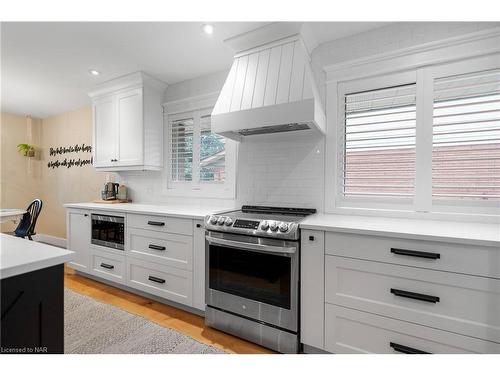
[86,215]
[311,238]
[414,253]
[156,247]
[413,295]
[198,225]
[156,223]
[108,266]
[406,349]
[156,280]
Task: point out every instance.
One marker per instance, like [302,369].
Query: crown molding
[465,46]
[191,104]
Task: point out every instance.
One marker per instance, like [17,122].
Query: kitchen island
[32,291]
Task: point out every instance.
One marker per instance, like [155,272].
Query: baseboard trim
[50,240]
[307,349]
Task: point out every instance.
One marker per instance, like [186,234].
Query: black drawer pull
[108,266]
[156,280]
[156,223]
[156,247]
[198,225]
[406,349]
[414,253]
[413,295]
[311,238]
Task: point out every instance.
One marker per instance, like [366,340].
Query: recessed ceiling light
[208,29]
[94,72]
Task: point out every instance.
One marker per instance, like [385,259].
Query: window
[466,137]
[379,152]
[197,158]
[182,149]
[212,154]
[425,140]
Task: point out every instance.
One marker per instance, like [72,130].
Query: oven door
[254,277]
[108,231]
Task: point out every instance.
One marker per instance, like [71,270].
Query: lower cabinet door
[354,331]
[107,265]
[163,281]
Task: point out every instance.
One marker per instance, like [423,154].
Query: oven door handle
[252,246]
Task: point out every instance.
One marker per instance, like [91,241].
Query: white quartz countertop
[18,256]
[185,211]
[481,234]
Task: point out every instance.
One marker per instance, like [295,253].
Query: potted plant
[26,149]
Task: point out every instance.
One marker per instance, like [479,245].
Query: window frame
[373,83]
[197,188]
[423,204]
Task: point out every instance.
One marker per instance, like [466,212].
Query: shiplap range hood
[270,87]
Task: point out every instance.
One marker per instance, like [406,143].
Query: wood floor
[164,315]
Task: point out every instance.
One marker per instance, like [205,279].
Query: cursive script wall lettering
[69,162]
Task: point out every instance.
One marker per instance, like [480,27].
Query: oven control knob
[213,220]
[264,225]
[274,226]
[283,227]
[229,221]
[221,220]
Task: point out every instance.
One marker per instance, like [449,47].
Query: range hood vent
[269,89]
[274,129]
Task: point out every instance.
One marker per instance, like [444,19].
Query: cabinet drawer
[471,260]
[107,265]
[174,250]
[352,331]
[163,281]
[468,305]
[161,223]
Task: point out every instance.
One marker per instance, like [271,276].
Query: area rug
[92,327]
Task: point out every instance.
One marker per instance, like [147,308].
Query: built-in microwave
[108,231]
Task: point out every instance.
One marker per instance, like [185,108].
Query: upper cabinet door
[105,132]
[130,128]
[128,123]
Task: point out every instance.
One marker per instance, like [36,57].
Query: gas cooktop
[261,221]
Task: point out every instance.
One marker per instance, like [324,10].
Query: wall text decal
[64,150]
[68,163]
[71,162]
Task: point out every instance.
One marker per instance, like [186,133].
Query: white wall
[289,169]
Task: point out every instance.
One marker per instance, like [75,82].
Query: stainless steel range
[252,274]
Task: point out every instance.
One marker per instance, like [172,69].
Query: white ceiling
[44,66]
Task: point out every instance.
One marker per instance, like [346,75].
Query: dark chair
[26,227]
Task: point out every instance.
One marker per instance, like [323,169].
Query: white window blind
[379,142]
[181,146]
[466,137]
[212,153]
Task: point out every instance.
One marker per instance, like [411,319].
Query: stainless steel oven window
[263,277]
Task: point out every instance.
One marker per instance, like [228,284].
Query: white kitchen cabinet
[78,238]
[371,294]
[128,124]
[199,265]
[312,283]
[353,331]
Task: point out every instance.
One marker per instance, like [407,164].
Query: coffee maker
[110,191]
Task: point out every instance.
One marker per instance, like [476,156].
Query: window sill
[410,214]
